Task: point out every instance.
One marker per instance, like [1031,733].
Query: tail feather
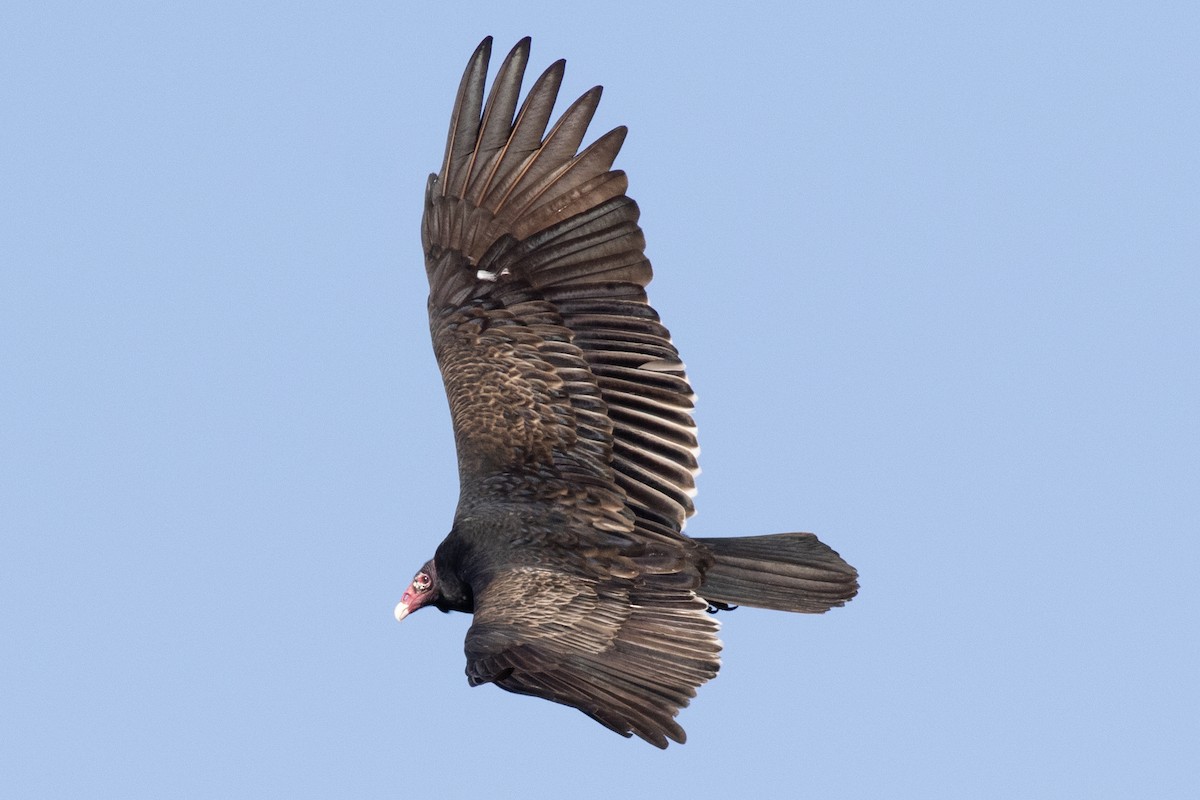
[783,571]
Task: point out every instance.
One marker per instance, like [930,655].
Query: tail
[785,571]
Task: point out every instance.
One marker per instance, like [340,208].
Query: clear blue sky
[934,270]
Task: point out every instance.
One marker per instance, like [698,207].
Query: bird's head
[421,592]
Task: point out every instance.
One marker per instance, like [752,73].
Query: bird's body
[571,412]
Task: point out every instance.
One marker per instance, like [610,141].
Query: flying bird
[572,421]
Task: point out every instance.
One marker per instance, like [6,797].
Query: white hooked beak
[402,610]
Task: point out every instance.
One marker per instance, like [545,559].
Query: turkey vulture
[571,413]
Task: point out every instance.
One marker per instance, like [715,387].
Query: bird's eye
[421,582]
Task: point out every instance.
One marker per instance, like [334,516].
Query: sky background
[934,268]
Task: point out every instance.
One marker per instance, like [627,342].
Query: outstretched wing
[628,653]
[555,365]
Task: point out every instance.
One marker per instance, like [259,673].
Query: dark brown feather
[624,652]
[536,276]
[572,419]
[553,228]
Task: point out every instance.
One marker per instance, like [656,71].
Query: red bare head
[422,591]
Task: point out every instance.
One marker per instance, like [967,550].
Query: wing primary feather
[595,160]
[496,125]
[559,145]
[527,130]
[464,119]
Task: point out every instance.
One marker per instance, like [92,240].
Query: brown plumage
[571,413]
